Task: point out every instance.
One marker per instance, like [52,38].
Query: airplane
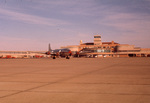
[66,53]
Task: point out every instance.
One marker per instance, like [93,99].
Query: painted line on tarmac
[62,80]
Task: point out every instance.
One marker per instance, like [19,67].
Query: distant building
[98,44]
[108,49]
[22,54]
[97,40]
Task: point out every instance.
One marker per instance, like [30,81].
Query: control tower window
[97,36]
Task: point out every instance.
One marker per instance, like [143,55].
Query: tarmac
[77,80]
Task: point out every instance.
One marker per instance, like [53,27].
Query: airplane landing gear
[67,57]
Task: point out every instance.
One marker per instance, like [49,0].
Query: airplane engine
[48,53]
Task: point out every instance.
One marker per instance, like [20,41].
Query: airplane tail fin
[49,48]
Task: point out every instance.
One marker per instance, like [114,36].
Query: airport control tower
[97,40]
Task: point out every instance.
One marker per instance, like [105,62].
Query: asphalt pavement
[77,80]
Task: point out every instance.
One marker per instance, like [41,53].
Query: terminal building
[22,54]
[107,49]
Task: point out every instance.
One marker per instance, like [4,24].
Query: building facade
[22,54]
[107,49]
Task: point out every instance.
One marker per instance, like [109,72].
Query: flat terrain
[77,80]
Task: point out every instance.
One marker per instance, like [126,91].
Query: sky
[32,24]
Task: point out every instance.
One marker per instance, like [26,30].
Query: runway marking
[89,93]
[61,80]
[70,92]
[65,79]
[72,83]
